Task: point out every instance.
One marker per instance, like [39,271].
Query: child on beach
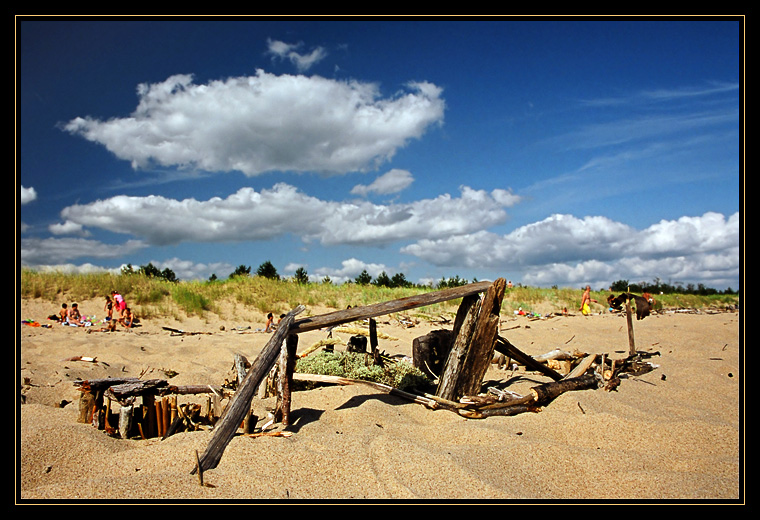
[64,314]
[128,318]
[108,308]
[120,303]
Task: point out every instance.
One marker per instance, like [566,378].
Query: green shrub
[351,365]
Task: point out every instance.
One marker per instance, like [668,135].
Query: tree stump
[429,352]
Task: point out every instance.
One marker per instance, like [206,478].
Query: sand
[674,434]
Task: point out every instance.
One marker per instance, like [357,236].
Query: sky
[549,152]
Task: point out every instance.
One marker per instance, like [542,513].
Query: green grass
[155,297]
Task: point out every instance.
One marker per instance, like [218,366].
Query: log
[538,396]
[241,401]
[474,345]
[379,309]
[546,393]
[464,324]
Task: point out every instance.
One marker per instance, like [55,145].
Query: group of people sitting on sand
[115,302]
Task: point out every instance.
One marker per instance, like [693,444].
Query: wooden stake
[629,319]
[241,401]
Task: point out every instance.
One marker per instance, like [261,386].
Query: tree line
[267,270]
[659,287]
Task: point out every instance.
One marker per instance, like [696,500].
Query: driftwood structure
[458,359]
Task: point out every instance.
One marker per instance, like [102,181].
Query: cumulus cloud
[563,249]
[51,251]
[288,51]
[266,123]
[248,215]
[394,181]
[28,195]
[350,269]
[67,228]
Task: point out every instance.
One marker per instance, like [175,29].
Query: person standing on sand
[120,303]
[585,300]
[108,308]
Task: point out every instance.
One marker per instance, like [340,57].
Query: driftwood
[474,345]
[506,348]
[538,396]
[241,400]
[285,379]
[379,309]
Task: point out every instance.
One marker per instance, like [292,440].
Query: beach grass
[156,297]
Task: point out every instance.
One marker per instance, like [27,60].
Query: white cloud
[67,228]
[52,251]
[287,51]
[189,270]
[27,195]
[266,123]
[564,249]
[248,215]
[394,181]
[350,269]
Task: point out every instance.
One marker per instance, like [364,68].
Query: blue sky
[548,152]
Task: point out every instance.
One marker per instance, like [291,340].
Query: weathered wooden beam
[474,343]
[241,400]
[332,319]
[464,325]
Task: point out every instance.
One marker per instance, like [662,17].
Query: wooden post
[629,319]
[86,407]
[285,380]
[125,420]
[241,401]
[373,343]
[149,416]
[474,344]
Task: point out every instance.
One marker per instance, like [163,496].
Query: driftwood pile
[458,359]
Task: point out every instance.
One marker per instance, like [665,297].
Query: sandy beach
[673,434]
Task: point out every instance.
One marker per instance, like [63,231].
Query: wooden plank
[472,351]
[464,326]
[240,403]
[484,336]
[332,319]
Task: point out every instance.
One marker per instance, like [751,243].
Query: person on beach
[128,319]
[64,314]
[270,323]
[120,303]
[585,300]
[75,317]
[110,327]
[108,308]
